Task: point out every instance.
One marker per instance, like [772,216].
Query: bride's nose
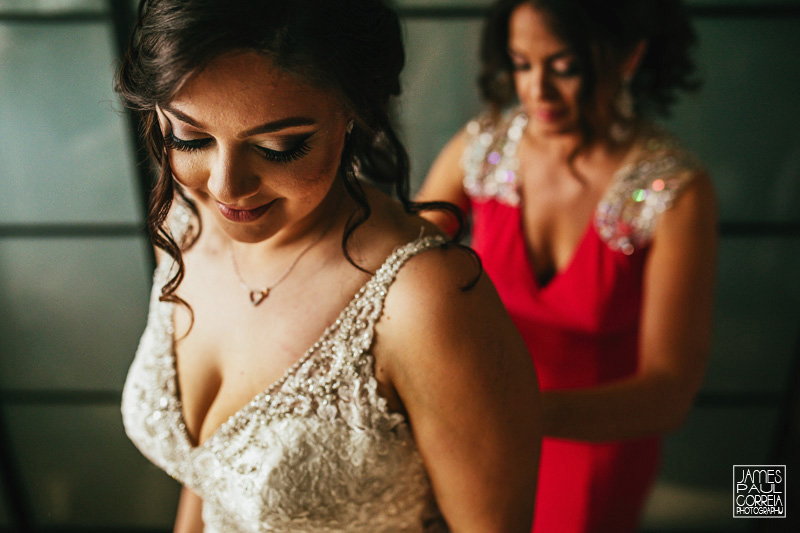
[231,177]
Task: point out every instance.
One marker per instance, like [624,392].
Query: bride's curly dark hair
[601,34]
[353,47]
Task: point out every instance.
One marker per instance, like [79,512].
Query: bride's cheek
[187,172]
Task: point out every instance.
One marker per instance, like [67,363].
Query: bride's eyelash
[276,156]
[184,146]
[292,154]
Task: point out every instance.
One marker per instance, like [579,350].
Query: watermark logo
[759,491]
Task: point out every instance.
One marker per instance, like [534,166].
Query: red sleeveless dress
[582,327]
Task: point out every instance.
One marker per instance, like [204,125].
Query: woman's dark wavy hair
[601,34]
[353,47]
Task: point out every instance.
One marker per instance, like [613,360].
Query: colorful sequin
[628,213]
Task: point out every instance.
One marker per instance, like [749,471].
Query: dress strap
[490,161]
[628,213]
[368,306]
[180,222]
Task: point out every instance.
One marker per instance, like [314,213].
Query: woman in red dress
[599,232]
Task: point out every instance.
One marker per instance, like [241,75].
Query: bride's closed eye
[299,149]
[185,145]
[295,152]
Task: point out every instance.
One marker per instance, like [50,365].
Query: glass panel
[755,175]
[51,7]
[675,507]
[72,313]
[82,471]
[700,453]
[691,3]
[65,155]
[400,4]
[485,3]
[742,123]
[440,92]
[695,485]
[5,517]
[757,315]
[748,3]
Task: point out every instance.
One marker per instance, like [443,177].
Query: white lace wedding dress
[318,451]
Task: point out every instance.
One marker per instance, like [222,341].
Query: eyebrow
[567,52]
[269,127]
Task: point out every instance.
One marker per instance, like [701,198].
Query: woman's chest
[593,290]
[235,350]
[555,210]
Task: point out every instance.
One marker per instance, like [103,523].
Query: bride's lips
[243,215]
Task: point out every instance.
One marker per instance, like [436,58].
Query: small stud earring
[350,125]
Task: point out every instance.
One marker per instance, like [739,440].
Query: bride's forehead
[251,83]
[243,72]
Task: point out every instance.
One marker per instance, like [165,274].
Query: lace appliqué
[628,213]
[317,451]
[489,162]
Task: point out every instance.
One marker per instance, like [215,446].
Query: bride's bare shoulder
[388,226]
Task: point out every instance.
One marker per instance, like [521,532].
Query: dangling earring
[350,125]
[621,129]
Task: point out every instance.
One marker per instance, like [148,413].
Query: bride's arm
[467,383]
[188,518]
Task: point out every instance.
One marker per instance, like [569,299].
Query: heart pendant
[258,296]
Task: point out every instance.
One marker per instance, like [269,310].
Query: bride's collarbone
[284,325]
[281,320]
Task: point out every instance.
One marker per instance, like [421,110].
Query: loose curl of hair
[601,34]
[353,47]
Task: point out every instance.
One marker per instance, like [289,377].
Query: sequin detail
[317,451]
[490,162]
[628,213]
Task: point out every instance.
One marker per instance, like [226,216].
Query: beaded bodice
[317,451]
[627,214]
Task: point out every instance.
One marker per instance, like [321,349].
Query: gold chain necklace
[259,295]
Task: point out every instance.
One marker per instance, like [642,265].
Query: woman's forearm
[634,407]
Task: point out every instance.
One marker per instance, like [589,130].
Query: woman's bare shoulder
[445,292]
[388,227]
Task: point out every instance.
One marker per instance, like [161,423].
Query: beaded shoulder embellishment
[489,162]
[627,215]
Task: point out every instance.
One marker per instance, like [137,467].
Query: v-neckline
[190,442]
[559,273]
[624,169]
